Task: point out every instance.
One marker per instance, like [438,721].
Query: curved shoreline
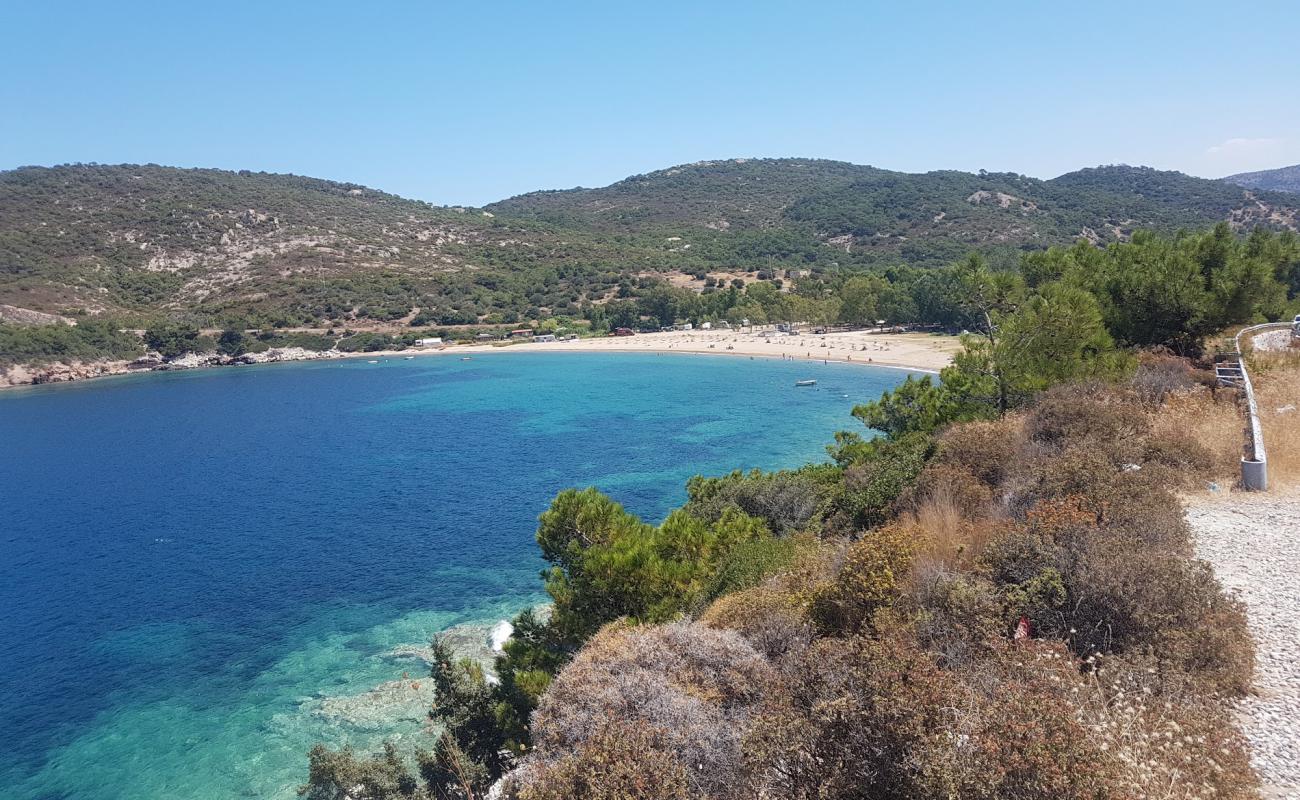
[924,353]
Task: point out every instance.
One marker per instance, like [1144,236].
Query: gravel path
[1272,340]
[1253,541]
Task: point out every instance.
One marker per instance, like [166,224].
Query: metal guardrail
[1254,470]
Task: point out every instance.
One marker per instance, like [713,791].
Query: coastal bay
[210,570]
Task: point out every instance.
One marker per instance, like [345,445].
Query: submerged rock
[407,699]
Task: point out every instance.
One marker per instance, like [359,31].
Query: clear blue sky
[468,102]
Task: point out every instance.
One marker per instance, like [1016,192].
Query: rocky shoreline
[408,698]
[60,372]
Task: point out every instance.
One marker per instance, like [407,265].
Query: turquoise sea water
[196,569]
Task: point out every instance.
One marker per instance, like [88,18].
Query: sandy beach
[921,352]
[917,351]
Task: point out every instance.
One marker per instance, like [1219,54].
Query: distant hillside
[876,215]
[1283,179]
[147,239]
[218,246]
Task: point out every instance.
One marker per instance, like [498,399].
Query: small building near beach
[544,337]
[431,341]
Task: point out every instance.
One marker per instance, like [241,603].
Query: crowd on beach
[912,350]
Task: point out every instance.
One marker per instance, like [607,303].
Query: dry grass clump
[1210,419]
[948,531]
[1277,392]
[1172,742]
[1098,417]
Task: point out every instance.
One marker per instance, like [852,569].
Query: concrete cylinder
[1254,475]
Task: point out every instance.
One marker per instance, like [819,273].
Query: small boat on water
[372,361]
[466,358]
[805,383]
[410,358]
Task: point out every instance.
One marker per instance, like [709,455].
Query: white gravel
[1272,340]
[1253,541]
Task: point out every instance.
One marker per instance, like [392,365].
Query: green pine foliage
[90,340]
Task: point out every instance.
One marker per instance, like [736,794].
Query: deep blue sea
[195,567]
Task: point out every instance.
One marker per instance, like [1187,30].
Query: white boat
[805,383]
[410,358]
[372,361]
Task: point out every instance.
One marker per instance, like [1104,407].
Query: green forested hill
[872,215]
[1283,179]
[218,246]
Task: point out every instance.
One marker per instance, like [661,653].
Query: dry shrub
[1161,374]
[1104,594]
[1277,393]
[1131,600]
[870,718]
[1151,516]
[1164,738]
[1099,418]
[1117,576]
[1212,421]
[966,474]
[697,685]
[941,485]
[869,579]
[815,562]
[1085,473]
[771,620]
[982,449]
[786,501]
[955,615]
[621,760]
[1181,455]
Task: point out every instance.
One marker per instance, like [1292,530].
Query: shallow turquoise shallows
[199,570]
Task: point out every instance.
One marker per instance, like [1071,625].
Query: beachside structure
[431,341]
[544,337]
[519,333]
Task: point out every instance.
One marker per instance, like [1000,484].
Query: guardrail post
[1254,475]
